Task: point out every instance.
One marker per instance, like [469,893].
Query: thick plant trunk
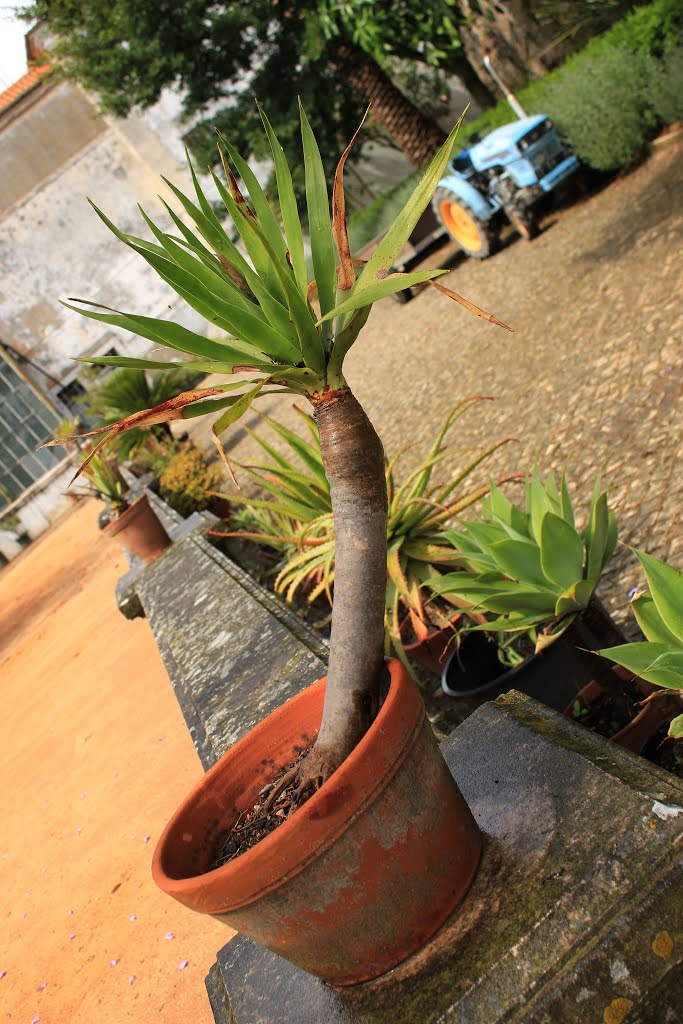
[418,136]
[354,463]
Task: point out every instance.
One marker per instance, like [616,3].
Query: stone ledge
[233,651]
[574,916]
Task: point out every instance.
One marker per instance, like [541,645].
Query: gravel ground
[591,375]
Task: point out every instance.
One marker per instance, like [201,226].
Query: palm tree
[268,338]
[418,136]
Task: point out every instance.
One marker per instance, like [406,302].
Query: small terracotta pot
[139,530]
[433,652]
[636,733]
[363,874]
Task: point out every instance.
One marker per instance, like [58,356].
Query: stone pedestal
[575,916]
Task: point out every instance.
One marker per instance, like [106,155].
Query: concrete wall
[49,126]
[55,150]
[52,245]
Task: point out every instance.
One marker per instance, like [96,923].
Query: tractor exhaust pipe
[509,96]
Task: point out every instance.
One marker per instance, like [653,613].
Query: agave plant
[268,337]
[659,613]
[531,570]
[297,521]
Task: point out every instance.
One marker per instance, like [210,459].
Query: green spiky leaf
[656,663]
[666,587]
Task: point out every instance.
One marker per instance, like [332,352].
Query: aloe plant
[297,522]
[268,337]
[105,481]
[659,613]
[529,568]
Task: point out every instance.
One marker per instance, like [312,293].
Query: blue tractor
[503,175]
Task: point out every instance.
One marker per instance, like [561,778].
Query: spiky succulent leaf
[676,728]
[652,623]
[665,583]
[561,551]
[399,232]
[261,299]
[656,663]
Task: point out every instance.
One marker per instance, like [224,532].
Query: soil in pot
[263,818]
[621,711]
[603,715]
[554,677]
[474,664]
[665,753]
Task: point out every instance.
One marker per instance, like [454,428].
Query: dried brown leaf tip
[162,413]
[223,455]
[346,276]
[470,305]
[234,274]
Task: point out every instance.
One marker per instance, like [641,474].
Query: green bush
[653,29]
[666,87]
[602,107]
[187,479]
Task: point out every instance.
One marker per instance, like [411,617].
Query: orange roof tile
[23,85]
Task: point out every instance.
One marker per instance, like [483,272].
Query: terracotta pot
[363,874]
[139,530]
[636,733]
[433,652]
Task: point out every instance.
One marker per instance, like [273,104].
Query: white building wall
[53,245]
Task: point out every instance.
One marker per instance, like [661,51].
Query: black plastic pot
[474,675]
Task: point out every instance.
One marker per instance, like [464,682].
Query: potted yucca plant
[296,522]
[533,574]
[373,789]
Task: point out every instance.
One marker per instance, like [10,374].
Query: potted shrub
[373,790]
[297,522]
[126,391]
[655,664]
[135,525]
[534,575]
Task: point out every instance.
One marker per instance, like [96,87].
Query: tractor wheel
[523,221]
[476,237]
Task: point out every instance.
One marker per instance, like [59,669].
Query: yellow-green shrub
[187,479]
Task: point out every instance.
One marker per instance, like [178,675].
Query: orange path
[94,757]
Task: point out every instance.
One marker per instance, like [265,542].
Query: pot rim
[493,684]
[313,827]
[119,521]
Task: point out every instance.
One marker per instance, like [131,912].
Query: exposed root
[286,779]
[316,768]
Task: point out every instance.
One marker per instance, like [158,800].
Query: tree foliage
[128,51]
